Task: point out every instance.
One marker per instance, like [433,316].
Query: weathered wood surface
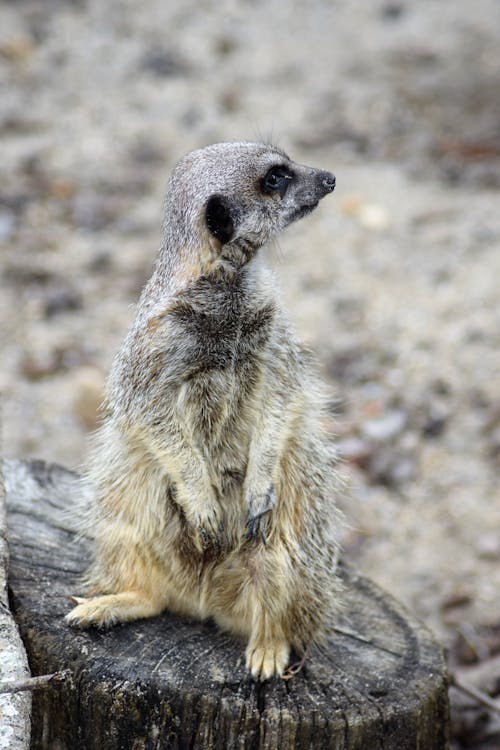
[173,683]
[15,709]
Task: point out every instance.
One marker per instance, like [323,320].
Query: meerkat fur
[214,480]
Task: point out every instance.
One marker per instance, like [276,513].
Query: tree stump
[168,682]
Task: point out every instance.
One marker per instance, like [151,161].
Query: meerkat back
[214,480]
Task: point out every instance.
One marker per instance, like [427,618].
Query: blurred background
[394,281]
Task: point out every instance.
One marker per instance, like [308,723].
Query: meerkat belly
[219,396]
[208,403]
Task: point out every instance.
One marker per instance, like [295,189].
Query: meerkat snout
[327,181]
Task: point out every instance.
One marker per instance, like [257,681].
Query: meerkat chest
[224,340]
[225,351]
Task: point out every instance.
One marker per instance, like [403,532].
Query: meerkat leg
[247,595]
[195,490]
[264,458]
[110,609]
[268,592]
[129,581]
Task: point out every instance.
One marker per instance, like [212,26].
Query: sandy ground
[394,282]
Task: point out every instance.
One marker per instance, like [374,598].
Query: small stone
[40,365]
[434,426]
[23,274]
[403,470]
[385,428]
[61,300]
[370,215]
[225,45]
[162,63]
[494,444]
[144,151]
[101,262]
[62,189]
[7,224]
[230,100]
[390,468]
[354,450]
[374,217]
[350,205]
[488,545]
[17,48]
[392,11]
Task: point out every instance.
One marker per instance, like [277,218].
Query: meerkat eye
[276,180]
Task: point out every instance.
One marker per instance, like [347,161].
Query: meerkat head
[238,196]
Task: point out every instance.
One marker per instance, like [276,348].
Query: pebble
[354,450]
[17,49]
[488,545]
[7,224]
[40,365]
[162,63]
[386,427]
[434,426]
[371,216]
[374,217]
[61,299]
[43,363]
[494,444]
[391,468]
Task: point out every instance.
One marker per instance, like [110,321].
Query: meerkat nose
[327,181]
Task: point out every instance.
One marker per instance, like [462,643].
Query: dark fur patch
[219,218]
[229,333]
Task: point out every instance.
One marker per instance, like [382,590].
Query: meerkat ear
[219,220]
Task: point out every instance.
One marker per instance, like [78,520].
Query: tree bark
[15,709]
[378,683]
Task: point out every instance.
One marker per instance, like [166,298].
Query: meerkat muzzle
[326,181]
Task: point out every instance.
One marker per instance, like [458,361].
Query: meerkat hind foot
[110,609]
[267,660]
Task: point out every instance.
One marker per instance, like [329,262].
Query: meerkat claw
[216,541]
[77,599]
[255,528]
[258,505]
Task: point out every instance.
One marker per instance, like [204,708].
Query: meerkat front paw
[210,533]
[204,516]
[267,660]
[213,539]
[255,528]
[259,505]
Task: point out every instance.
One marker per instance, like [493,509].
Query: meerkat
[214,479]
